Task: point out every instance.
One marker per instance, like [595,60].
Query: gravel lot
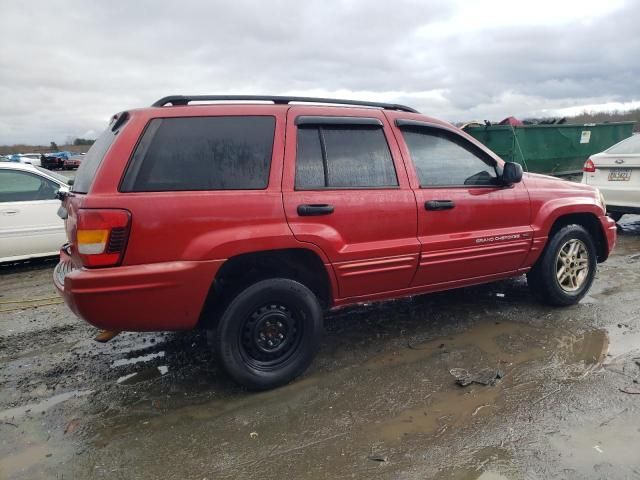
[379,402]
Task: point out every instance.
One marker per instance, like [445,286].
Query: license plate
[619,174]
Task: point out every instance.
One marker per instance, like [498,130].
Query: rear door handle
[439,205]
[315,209]
[10,212]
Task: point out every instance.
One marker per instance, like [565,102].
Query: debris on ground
[378,458]
[72,425]
[485,376]
[253,434]
[631,390]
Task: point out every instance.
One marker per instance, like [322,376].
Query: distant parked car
[29,225]
[52,161]
[32,158]
[72,162]
[616,172]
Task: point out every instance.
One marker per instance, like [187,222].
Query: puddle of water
[510,347]
[143,375]
[20,461]
[488,337]
[584,352]
[128,342]
[124,378]
[444,411]
[404,396]
[482,466]
[587,448]
[624,342]
[132,361]
[506,343]
[43,405]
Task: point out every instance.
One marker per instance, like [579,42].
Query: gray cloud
[65,67]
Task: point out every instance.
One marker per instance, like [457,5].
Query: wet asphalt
[379,401]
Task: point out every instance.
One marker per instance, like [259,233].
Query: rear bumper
[611,234]
[152,297]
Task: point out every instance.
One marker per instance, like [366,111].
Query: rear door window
[353,156]
[202,153]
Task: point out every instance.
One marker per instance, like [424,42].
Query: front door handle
[439,205]
[10,212]
[315,209]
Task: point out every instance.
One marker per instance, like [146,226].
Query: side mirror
[62,193]
[512,173]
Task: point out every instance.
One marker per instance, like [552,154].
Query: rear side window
[202,153]
[92,160]
[343,157]
[444,159]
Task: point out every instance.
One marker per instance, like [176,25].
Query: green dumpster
[551,149]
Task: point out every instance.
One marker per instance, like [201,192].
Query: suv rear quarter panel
[178,239]
[194,225]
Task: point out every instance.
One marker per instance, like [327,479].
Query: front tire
[269,333]
[564,273]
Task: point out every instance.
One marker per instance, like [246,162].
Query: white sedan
[32,158]
[29,224]
[616,172]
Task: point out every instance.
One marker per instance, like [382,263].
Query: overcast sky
[66,66]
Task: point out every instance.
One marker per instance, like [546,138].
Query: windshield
[57,176]
[626,147]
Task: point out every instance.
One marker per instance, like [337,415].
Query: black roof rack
[278,100]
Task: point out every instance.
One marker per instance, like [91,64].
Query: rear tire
[269,333]
[565,271]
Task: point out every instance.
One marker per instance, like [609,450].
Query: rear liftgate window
[202,153]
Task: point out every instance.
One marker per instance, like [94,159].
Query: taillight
[101,236]
[589,166]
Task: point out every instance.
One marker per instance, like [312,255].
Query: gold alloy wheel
[572,265]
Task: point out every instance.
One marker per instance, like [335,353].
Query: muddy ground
[379,401]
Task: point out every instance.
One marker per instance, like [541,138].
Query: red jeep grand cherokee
[253,218]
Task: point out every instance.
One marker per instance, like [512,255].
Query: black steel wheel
[269,333]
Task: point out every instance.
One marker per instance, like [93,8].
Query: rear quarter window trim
[116,124]
[123,178]
[311,120]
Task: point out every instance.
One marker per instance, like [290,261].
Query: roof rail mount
[278,100]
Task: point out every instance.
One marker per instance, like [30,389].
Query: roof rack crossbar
[278,100]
